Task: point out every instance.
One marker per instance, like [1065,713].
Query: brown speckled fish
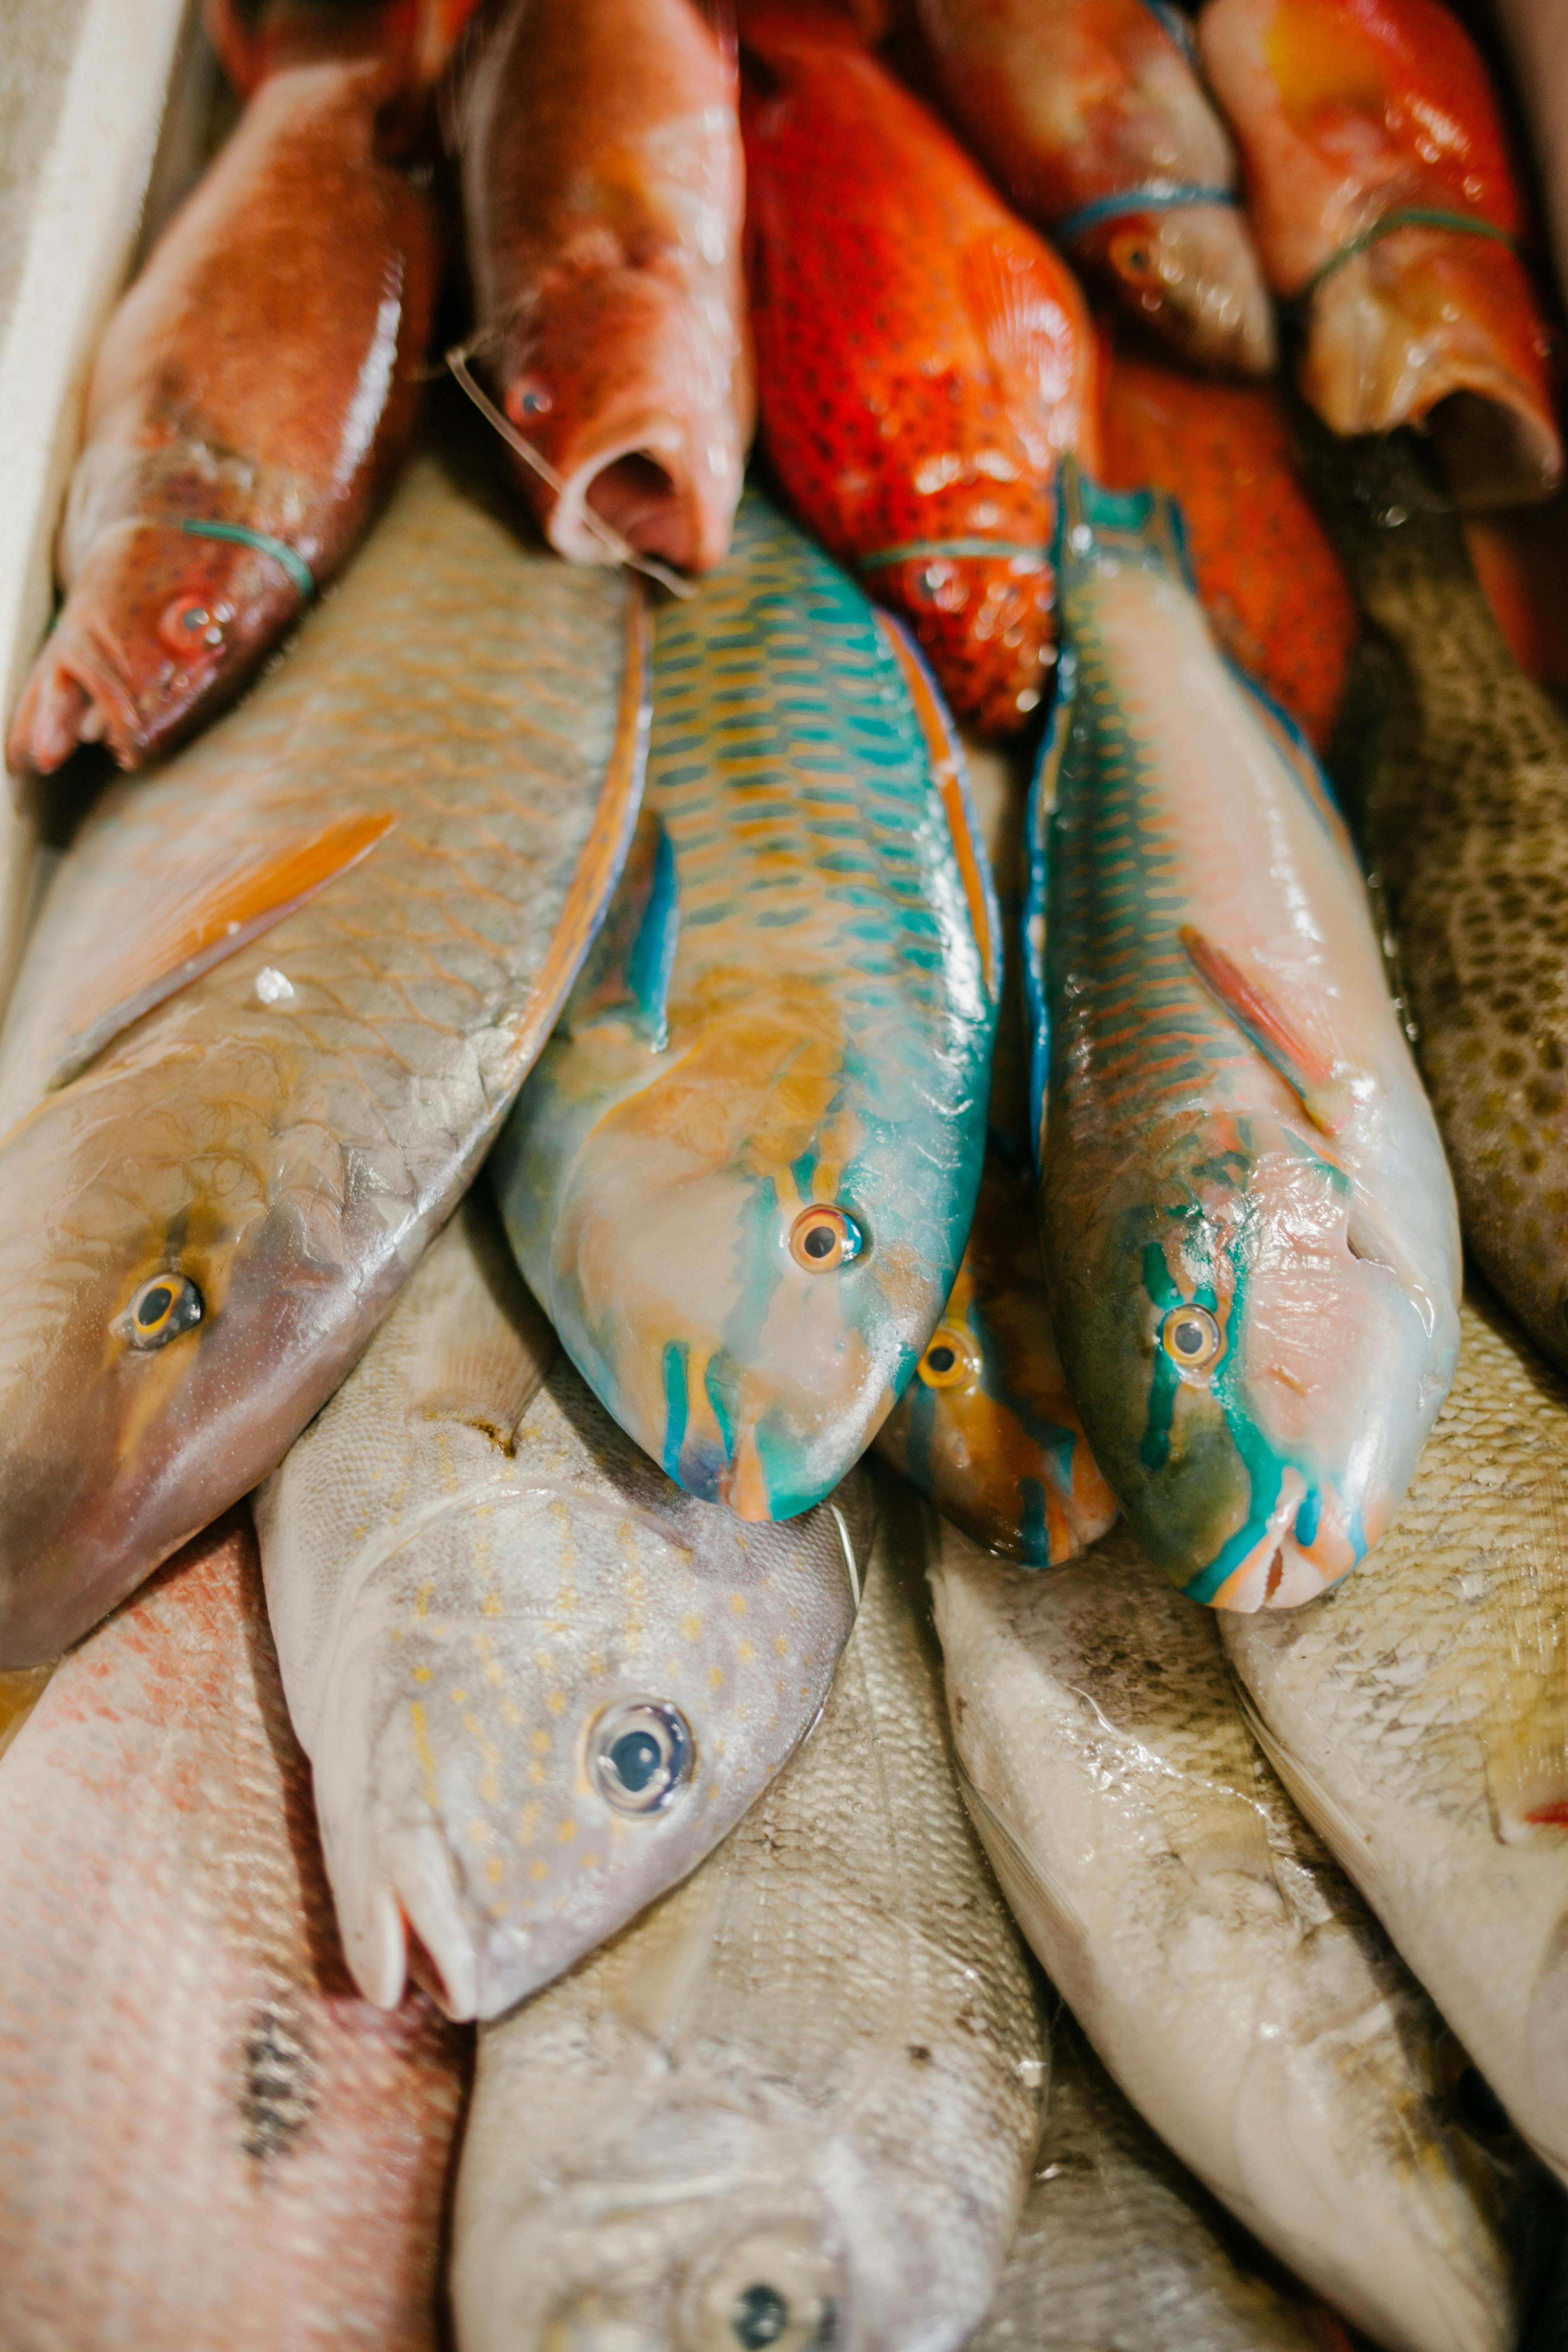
[279,1001]
[209,2143]
[252,393]
[604,186]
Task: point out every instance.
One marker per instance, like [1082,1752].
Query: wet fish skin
[1372,143]
[254,38]
[1078,106]
[1117,2247]
[1237,1156]
[472,1575]
[260,376]
[788,1023]
[1223,1970]
[912,446]
[1424,1726]
[210,2142]
[1537,40]
[803,2092]
[603,187]
[286,1131]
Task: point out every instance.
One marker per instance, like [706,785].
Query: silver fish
[795,2105]
[1423,1725]
[536,1681]
[1219,1963]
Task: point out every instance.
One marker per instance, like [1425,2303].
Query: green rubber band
[1409,217]
[241,535]
[917,551]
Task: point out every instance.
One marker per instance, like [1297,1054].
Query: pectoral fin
[1305,1069]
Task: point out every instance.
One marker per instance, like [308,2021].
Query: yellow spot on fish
[595,1664]
[746,1654]
[422,1599]
[491,1605]
[538,1775]
[421,1674]
[480,1832]
[738,1603]
[557,1702]
[421,1749]
[781,1645]
[539,1742]
[692,1628]
[714,1678]
[527,1821]
[459,1698]
[495,1870]
[590,1861]
[538,1870]
[566,1833]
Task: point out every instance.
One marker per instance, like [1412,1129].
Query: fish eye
[949,1360]
[162,1308]
[190,622]
[823,1237]
[1191,1337]
[641,1755]
[771,2291]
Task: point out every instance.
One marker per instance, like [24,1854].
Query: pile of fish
[695,1142]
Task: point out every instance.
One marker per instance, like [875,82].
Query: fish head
[1193,273]
[173,1292]
[1258,1353]
[986,623]
[160,625]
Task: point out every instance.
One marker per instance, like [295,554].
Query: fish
[1093,116]
[1520,555]
[1422,1723]
[210,2141]
[536,1682]
[254,38]
[250,400]
[1251,1240]
[923,359]
[1249,2008]
[1536,41]
[796,2103]
[279,1001]
[605,190]
[740,1181]
[1272,585]
[1460,778]
[1388,216]
[1119,2248]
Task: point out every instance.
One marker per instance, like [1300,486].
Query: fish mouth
[641,485]
[77,694]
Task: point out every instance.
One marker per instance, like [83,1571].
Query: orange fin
[1304,1067]
[212,917]
[946,756]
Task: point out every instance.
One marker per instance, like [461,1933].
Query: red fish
[1271,583]
[1386,210]
[923,359]
[1091,114]
[252,393]
[604,192]
[254,38]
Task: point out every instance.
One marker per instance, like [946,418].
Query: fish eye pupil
[197,618]
[154,1305]
[820,1242]
[641,1755]
[1189,1339]
[636,1759]
[759,2318]
[941,1358]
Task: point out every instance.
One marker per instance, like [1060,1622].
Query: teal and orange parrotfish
[924,358]
[1250,1238]
[1387,213]
[740,1179]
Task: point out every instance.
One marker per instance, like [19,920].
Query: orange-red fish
[1273,587]
[1090,113]
[604,192]
[1386,210]
[254,38]
[923,359]
[253,391]
[211,2144]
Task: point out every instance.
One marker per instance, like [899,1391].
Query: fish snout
[1193,273]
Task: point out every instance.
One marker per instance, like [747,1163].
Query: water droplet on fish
[274,987]
[1080,539]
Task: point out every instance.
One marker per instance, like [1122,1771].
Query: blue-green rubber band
[917,550]
[241,535]
[1154,196]
[1406,216]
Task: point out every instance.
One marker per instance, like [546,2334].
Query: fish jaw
[1193,273]
[1262,1478]
[1428,326]
[159,627]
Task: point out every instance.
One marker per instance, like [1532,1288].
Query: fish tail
[1094,524]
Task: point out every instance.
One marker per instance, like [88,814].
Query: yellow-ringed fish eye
[823,1237]
[949,1360]
[641,1755]
[771,2291]
[162,1308]
[1191,1337]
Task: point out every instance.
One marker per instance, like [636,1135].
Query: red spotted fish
[1387,213]
[604,186]
[1250,1238]
[210,2144]
[923,359]
[1091,115]
[740,1181]
[279,1001]
[253,392]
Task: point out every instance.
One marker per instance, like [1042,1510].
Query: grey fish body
[801,2096]
[276,1005]
[1118,2248]
[1424,1727]
[1221,1965]
[484,1594]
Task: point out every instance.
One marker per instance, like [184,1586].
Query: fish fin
[1021,318]
[1305,1069]
[626,973]
[1349,1845]
[209,916]
[950,776]
[1037,897]
[1143,527]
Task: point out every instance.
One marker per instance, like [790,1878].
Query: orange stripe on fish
[952,782]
